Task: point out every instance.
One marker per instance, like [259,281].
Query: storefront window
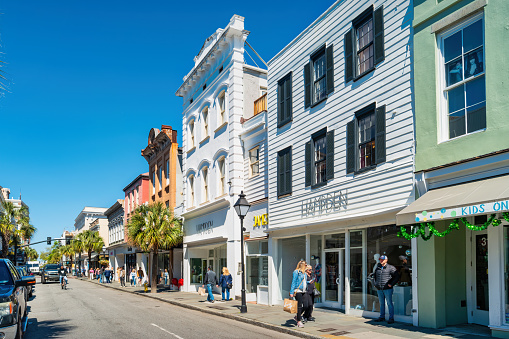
[196,270]
[316,250]
[257,273]
[357,276]
[335,241]
[221,255]
[506,272]
[383,240]
[290,252]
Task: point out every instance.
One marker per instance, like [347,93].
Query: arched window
[221,107]
[191,134]
[191,191]
[205,121]
[221,166]
[205,180]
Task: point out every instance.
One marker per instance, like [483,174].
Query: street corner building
[225,152]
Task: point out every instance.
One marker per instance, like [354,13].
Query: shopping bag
[290,306]
[201,291]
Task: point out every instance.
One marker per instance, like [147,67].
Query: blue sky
[89,79]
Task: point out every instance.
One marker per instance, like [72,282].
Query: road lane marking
[162,329]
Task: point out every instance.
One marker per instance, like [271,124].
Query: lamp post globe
[242,207]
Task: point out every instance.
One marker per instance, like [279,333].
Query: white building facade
[218,94]
[340,155]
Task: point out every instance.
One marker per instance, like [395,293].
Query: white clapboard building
[340,155]
[221,117]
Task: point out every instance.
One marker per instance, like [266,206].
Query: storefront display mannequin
[318,275]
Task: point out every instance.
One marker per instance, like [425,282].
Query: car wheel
[19,331]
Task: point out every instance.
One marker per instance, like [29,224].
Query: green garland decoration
[417,230]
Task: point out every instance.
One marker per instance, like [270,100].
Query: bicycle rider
[62,274]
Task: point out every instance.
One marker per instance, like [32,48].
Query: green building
[461,88]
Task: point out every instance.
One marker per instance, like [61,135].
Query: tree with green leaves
[31,253]
[153,228]
[68,251]
[91,242]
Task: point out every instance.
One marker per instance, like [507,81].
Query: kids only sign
[463,211]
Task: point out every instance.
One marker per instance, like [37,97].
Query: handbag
[201,291]
[290,306]
[316,293]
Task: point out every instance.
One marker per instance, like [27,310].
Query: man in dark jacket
[210,280]
[385,277]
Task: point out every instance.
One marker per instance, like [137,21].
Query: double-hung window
[463,83]
[222,109]
[319,158]
[284,172]
[284,100]
[254,161]
[160,176]
[319,76]
[191,190]
[222,177]
[364,43]
[205,121]
[191,134]
[365,139]
[205,180]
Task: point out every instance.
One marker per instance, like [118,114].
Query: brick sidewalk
[329,323]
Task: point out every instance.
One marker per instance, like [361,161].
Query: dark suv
[13,307]
[50,272]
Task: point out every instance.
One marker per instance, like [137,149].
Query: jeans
[102,278]
[210,296]
[227,293]
[165,280]
[133,281]
[60,279]
[384,295]
[122,281]
[300,305]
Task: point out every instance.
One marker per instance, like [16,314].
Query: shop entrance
[478,312]
[335,278]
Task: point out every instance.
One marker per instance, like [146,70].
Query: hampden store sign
[457,212]
[205,227]
[324,204]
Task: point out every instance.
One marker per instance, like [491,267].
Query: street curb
[229,316]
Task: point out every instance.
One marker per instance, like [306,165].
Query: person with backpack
[226,283]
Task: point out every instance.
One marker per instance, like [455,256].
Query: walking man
[385,277]
[121,274]
[210,280]
[102,275]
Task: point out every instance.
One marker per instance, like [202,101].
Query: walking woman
[226,282]
[133,277]
[298,289]
[121,274]
[309,295]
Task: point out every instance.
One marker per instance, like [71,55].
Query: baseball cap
[383,257]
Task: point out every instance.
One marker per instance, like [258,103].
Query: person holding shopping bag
[298,289]
[226,283]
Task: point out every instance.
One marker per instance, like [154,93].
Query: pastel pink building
[136,193]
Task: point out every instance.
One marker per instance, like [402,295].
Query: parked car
[13,306]
[22,270]
[50,273]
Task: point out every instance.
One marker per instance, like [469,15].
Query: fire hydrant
[145,285]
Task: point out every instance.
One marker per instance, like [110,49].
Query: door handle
[337,281]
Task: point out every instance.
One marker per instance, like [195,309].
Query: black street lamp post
[242,207]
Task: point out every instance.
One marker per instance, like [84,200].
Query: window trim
[316,55]
[360,20]
[251,175]
[205,182]
[222,113]
[222,175]
[319,134]
[442,88]
[363,112]
[191,182]
[192,136]
[205,121]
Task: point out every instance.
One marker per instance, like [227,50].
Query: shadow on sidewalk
[47,329]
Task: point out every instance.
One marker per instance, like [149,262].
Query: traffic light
[67,241]
[48,240]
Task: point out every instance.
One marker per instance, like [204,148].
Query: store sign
[205,227]
[458,212]
[324,204]
[261,220]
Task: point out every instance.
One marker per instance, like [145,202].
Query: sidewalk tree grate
[327,329]
[340,333]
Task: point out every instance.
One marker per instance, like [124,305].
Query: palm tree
[153,228]
[77,246]
[92,241]
[7,224]
[27,230]
[68,251]
[31,253]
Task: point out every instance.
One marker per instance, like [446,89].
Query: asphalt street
[87,310]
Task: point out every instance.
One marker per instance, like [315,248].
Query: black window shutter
[380,134]
[349,59]
[378,19]
[279,173]
[280,106]
[307,85]
[329,56]
[350,147]
[288,98]
[307,164]
[329,160]
[288,174]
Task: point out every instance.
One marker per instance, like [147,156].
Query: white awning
[473,198]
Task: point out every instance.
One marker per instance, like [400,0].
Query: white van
[33,266]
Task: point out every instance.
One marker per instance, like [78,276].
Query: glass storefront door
[335,278]
[480,292]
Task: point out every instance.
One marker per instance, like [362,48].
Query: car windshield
[52,267]
[5,276]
